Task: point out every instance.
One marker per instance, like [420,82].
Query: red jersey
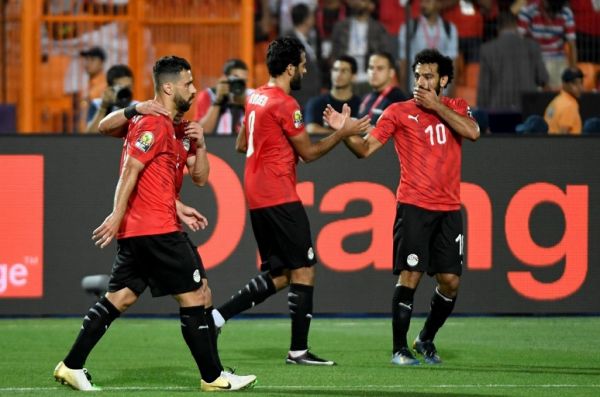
[270,174]
[151,206]
[429,153]
[186,149]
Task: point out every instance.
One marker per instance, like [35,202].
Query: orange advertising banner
[21,226]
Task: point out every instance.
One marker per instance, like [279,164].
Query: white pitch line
[312,387]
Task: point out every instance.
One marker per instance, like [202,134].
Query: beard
[437,89]
[296,82]
[182,105]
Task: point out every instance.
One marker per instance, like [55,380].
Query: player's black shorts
[283,236]
[427,241]
[168,263]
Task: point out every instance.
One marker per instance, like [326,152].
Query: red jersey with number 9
[429,153]
[270,173]
[151,207]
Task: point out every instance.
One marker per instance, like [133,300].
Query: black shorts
[427,241]
[168,263]
[283,236]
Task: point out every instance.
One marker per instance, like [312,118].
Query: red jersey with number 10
[429,153]
[151,206]
[270,174]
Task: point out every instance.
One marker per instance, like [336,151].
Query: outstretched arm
[346,127]
[115,124]
[361,147]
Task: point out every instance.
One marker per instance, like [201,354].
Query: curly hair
[445,66]
[282,52]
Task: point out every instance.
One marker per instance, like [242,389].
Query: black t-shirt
[374,103]
[316,105]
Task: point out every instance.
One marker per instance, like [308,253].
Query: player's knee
[192,298]
[122,299]
[303,275]
[448,285]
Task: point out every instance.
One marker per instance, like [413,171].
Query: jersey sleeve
[386,126]
[461,107]
[145,140]
[290,117]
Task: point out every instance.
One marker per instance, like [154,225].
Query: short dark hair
[116,72]
[300,13]
[431,55]
[167,67]
[386,55]
[348,59]
[282,52]
[233,63]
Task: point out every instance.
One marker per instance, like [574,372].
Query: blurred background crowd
[524,66]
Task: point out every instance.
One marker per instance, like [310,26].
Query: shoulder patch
[145,141]
[298,121]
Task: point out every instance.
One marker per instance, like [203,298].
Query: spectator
[430,30]
[551,24]
[284,10]
[562,114]
[510,65]
[118,95]
[392,14]
[587,27]
[343,74]
[533,124]
[263,21]
[466,15]
[93,64]
[381,80]
[220,109]
[326,15]
[304,30]
[359,36]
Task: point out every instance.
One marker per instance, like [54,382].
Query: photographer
[117,95]
[220,109]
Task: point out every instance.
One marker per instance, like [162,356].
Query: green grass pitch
[483,356]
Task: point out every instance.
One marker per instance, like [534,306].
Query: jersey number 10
[439,136]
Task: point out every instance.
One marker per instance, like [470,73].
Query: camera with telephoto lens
[123,96]
[237,86]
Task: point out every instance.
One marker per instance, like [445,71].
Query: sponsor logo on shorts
[145,141]
[298,121]
[197,277]
[310,254]
[412,260]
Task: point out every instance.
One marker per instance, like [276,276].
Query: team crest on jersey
[298,121]
[186,144]
[145,141]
